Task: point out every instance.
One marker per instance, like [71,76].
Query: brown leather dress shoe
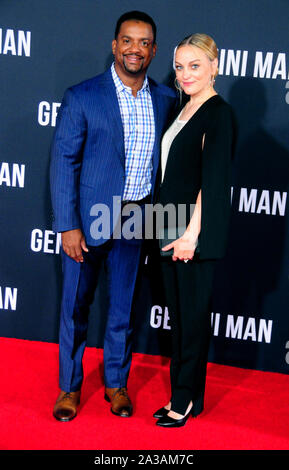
[120,401]
[66,405]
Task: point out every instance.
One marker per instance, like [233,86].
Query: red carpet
[244,409]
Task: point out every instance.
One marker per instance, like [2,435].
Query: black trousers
[188,290]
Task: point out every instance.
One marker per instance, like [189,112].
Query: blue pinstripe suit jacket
[87,155]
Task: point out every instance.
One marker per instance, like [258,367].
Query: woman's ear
[215,64]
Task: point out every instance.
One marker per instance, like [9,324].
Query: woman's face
[194,70]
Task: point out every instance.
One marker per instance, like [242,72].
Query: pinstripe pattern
[139,134]
[122,264]
[79,283]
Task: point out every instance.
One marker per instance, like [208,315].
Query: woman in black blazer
[196,159]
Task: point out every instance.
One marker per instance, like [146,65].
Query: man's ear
[113,46]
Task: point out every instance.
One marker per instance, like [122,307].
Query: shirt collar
[119,85]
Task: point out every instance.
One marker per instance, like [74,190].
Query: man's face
[133,48]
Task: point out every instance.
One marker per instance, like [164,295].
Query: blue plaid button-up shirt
[139,135]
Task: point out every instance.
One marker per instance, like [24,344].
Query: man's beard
[133,71]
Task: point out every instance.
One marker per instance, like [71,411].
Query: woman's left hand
[183,247]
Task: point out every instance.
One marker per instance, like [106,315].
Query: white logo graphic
[47,113]
[8,298]
[46,241]
[15,42]
[266,64]
[12,174]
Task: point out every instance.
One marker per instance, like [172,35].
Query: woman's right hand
[184,248]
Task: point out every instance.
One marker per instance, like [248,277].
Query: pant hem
[69,388]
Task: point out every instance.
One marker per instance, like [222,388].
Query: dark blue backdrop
[46,47]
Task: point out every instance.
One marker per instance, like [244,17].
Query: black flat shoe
[161,413]
[168,422]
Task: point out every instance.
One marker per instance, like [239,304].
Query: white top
[167,140]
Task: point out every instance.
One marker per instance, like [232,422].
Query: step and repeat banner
[47,46]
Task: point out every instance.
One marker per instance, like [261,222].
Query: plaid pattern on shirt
[139,135]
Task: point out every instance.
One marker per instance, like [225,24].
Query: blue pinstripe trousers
[79,283]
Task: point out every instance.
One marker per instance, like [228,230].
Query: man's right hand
[73,242]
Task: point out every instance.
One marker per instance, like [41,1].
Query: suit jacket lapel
[111,108]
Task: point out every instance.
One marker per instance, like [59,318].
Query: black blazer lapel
[159,118]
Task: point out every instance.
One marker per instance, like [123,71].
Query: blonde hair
[204,42]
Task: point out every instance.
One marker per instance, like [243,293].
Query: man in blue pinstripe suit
[106,144]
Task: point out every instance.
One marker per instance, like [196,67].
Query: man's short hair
[138,16]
